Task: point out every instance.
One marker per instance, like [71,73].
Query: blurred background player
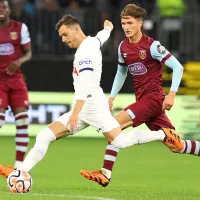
[15,49]
[90,106]
[143,57]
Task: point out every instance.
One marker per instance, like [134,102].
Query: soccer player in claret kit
[143,57]
[90,106]
[15,49]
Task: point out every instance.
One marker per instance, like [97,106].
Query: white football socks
[36,154]
[133,137]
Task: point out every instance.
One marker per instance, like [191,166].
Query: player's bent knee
[111,135]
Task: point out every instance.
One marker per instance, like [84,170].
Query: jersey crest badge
[13,35]
[142,54]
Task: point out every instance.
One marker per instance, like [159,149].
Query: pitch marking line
[64,196]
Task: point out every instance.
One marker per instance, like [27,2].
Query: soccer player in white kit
[90,105]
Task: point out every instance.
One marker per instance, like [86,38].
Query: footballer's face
[131,26]
[69,35]
[4,11]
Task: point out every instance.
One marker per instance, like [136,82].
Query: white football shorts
[102,121]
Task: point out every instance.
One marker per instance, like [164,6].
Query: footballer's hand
[168,102]
[73,122]
[108,24]
[13,67]
[110,102]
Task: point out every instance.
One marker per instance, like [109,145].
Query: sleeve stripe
[165,58]
[122,64]
[87,68]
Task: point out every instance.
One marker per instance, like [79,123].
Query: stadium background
[177,30]
[176,24]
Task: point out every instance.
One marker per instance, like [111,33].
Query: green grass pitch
[144,172]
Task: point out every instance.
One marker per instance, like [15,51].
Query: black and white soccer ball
[19,181]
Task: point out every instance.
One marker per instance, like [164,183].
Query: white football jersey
[87,75]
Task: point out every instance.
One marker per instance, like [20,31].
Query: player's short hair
[67,20]
[133,11]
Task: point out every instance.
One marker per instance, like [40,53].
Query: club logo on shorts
[137,69]
[142,54]
[13,35]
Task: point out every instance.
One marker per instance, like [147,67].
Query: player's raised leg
[36,154]
[124,140]
[54,131]
[44,138]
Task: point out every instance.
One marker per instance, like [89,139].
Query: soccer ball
[19,181]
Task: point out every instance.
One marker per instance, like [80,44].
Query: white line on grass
[64,195]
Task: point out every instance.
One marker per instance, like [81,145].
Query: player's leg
[18,101]
[22,137]
[189,146]
[135,114]
[111,129]
[111,152]
[44,138]
[54,131]
[104,122]
[140,112]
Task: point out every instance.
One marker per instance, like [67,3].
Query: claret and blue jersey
[144,61]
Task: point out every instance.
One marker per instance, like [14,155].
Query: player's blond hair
[67,20]
[133,11]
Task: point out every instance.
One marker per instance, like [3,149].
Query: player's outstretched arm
[177,68]
[159,52]
[104,34]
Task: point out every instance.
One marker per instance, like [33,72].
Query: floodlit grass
[145,172]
